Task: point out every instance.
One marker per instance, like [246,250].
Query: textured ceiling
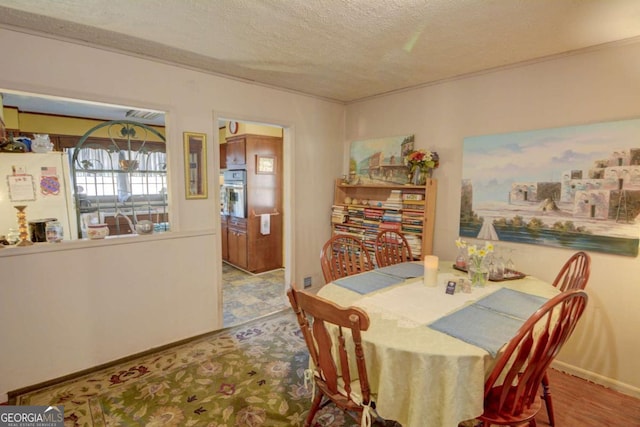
[343,50]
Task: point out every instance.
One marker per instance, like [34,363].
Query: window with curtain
[105,183]
[121,179]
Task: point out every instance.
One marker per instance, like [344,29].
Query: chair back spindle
[391,248]
[342,256]
[574,274]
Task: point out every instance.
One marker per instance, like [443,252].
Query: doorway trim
[288,137]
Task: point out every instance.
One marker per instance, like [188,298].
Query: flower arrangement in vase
[421,165]
[477,271]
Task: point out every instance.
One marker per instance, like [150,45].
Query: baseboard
[251,273]
[597,379]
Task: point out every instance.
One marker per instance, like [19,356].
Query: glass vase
[419,177]
[496,268]
[479,276]
[461,258]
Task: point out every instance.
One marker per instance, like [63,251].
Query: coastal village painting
[380,161]
[575,187]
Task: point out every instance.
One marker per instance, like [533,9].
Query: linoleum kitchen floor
[249,296]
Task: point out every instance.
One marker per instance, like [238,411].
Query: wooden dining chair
[574,274]
[511,390]
[391,248]
[343,255]
[327,347]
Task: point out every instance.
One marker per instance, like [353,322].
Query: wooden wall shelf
[364,210]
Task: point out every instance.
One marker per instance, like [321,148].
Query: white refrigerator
[42,183]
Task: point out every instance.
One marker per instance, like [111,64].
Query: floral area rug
[248,375]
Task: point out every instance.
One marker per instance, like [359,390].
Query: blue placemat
[405,270]
[367,282]
[479,326]
[512,303]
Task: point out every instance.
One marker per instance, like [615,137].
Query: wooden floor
[581,403]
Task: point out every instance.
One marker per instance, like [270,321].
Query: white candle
[430,270]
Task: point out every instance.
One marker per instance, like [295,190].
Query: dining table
[429,347]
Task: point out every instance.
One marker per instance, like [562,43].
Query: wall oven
[234,193]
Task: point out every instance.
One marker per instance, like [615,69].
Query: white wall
[161,290]
[596,86]
[87,303]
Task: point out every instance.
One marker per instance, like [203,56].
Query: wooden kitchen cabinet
[237,242]
[224,236]
[264,250]
[236,154]
[223,156]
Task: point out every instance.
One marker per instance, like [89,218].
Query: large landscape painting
[575,187]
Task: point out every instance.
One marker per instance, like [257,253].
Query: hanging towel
[265,224]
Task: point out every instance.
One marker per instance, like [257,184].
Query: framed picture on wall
[575,187]
[380,161]
[265,164]
[195,165]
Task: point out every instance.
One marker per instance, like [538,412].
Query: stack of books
[356,214]
[372,217]
[394,201]
[339,214]
[350,231]
[369,241]
[413,201]
[412,212]
[412,222]
[415,243]
[416,205]
[391,220]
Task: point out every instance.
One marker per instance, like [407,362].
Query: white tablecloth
[422,377]
[415,304]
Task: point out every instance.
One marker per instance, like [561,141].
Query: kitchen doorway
[251,213]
